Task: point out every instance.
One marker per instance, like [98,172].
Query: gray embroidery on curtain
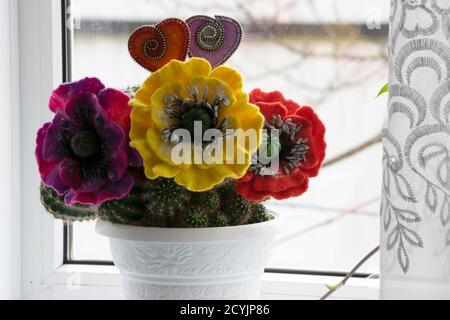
[416,139]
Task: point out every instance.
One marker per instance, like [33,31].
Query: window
[330,54]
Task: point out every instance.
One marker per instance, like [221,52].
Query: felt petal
[279,183]
[318,137]
[248,115]
[56,143]
[181,72]
[215,86]
[143,97]
[234,171]
[110,191]
[292,192]
[134,158]
[198,180]
[142,147]
[276,96]
[113,138]
[160,117]
[116,190]
[279,187]
[115,103]
[52,180]
[72,197]
[246,190]
[91,184]
[248,177]
[85,110]
[198,67]
[64,93]
[159,147]
[118,165]
[48,169]
[272,109]
[149,158]
[141,120]
[212,86]
[165,170]
[44,166]
[69,173]
[249,118]
[228,75]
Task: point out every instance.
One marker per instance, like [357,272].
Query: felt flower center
[195,112]
[287,145]
[199,114]
[270,146]
[85,144]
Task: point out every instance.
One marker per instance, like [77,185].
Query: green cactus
[195,218]
[163,203]
[54,204]
[208,201]
[165,197]
[127,210]
[259,213]
[218,219]
[237,209]
[159,221]
[226,189]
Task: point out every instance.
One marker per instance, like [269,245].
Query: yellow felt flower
[195,124]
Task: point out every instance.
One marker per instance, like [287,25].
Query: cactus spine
[163,203]
[54,204]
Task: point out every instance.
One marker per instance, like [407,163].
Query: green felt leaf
[383,90]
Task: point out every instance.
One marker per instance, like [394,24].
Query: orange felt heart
[154,46]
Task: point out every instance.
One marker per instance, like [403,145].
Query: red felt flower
[301,149]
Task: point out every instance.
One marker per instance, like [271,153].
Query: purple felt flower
[83,152]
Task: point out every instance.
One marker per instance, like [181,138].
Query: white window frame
[44,275]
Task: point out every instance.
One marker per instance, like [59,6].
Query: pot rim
[163,235]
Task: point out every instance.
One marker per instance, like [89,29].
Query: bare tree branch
[339,216]
[350,274]
[353,151]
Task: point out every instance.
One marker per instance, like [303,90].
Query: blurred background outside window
[329,54]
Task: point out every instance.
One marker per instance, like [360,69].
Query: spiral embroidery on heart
[210,36]
[152,47]
[155,47]
[214,39]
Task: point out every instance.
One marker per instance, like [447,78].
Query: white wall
[10,271]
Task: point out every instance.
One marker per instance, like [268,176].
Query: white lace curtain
[415,212]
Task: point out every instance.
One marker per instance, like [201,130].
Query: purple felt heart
[214,39]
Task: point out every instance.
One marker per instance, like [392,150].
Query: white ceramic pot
[197,264]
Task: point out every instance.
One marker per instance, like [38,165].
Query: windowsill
[40,248]
[91,282]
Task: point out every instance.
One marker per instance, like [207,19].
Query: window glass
[330,54]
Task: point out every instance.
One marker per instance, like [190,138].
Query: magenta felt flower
[83,153]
